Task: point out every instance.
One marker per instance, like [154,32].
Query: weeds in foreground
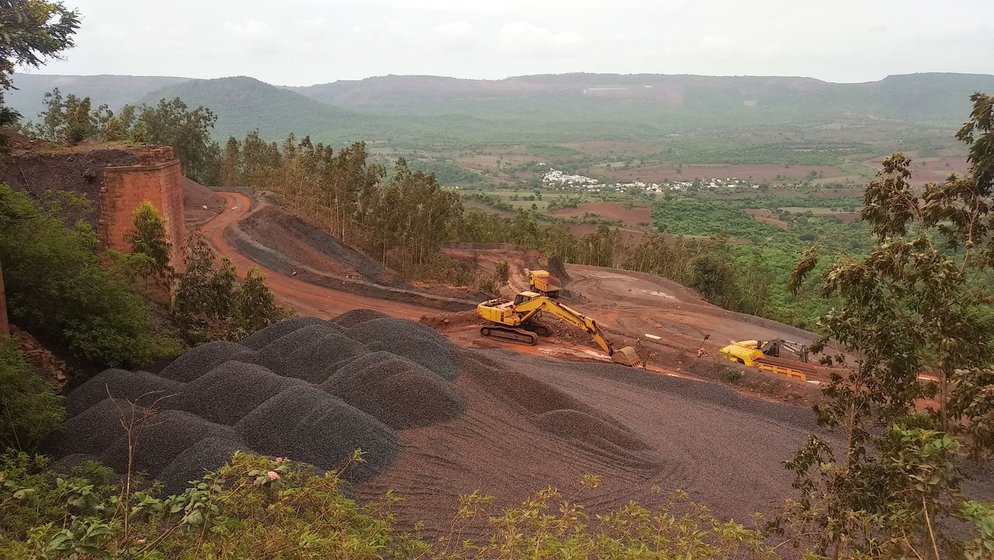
[276,509]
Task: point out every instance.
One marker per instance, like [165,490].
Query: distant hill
[243,104]
[415,112]
[115,91]
[638,97]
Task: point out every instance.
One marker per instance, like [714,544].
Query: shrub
[59,290]
[29,408]
[210,303]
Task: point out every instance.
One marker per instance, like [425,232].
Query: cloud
[249,29]
[455,30]
[527,38]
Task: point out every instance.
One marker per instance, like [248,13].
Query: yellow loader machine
[766,357]
[517,321]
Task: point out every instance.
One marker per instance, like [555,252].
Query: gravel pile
[312,362]
[136,386]
[388,329]
[92,430]
[164,436]
[204,358]
[70,462]
[310,425]
[416,342]
[204,456]
[352,366]
[305,388]
[434,357]
[352,318]
[397,391]
[227,393]
[273,332]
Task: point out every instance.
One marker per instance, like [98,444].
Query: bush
[29,408]
[59,290]
[713,278]
[212,304]
[273,508]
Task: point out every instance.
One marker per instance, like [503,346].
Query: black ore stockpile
[273,332]
[232,390]
[135,386]
[204,358]
[396,390]
[416,342]
[307,389]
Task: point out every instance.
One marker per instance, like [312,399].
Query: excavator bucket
[627,357]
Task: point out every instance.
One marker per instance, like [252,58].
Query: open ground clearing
[628,215]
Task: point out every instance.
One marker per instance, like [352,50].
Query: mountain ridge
[413,110]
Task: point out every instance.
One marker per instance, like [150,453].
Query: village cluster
[560,180]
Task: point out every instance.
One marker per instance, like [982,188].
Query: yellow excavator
[517,321]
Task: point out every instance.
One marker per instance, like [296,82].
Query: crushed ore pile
[305,388]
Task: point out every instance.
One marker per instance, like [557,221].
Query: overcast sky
[302,42]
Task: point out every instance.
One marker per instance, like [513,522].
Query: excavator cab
[525,297]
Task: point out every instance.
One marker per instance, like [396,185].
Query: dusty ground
[671,320]
[633,216]
[646,435]
[765,216]
[931,169]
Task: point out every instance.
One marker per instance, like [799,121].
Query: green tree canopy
[31,31]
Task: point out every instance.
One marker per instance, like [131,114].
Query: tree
[150,253]
[210,302]
[32,31]
[150,236]
[188,131]
[910,307]
[231,164]
[71,119]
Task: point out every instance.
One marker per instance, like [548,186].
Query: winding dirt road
[307,298]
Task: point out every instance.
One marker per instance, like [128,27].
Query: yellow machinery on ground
[544,283]
[518,321]
[766,357]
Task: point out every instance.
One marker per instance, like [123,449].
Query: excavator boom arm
[571,316]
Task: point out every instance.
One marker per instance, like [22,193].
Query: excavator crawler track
[519,336]
[538,328]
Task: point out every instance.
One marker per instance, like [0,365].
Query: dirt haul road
[307,298]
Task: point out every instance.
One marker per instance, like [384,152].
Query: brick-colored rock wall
[158,179]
